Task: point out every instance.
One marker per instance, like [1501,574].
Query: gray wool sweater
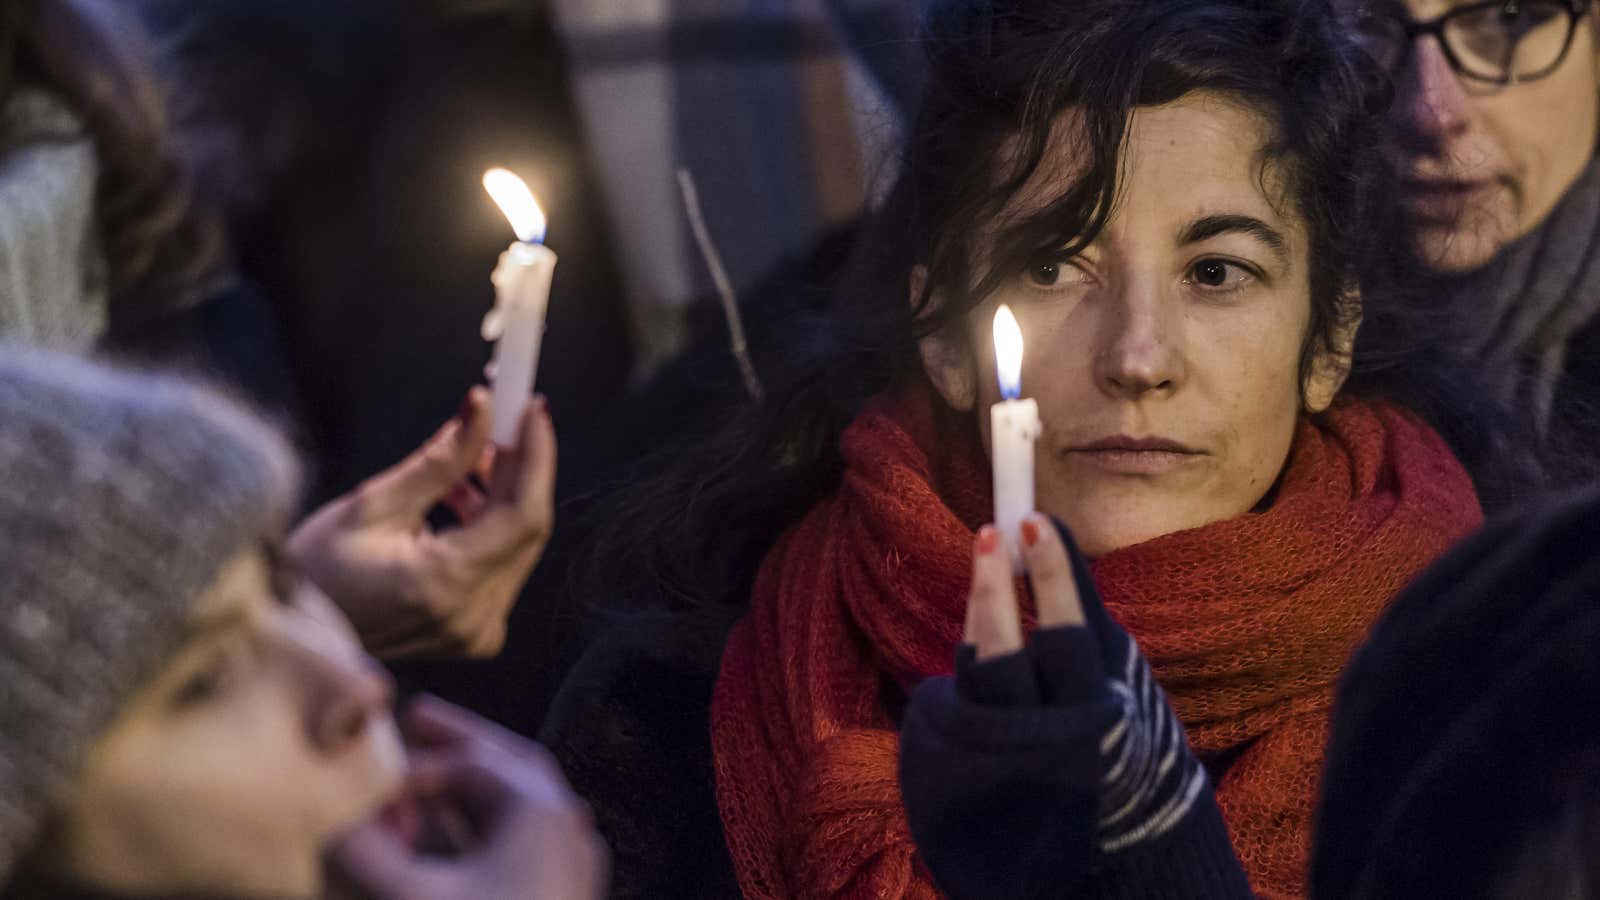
[53,274]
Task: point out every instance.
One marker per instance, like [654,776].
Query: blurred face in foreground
[269,733]
[1165,358]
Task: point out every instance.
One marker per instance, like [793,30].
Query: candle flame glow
[511,194]
[1008,352]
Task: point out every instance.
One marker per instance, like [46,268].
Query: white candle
[522,291]
[1013,426]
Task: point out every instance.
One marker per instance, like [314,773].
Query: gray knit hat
[121,497]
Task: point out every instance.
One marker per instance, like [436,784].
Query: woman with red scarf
[1182,202]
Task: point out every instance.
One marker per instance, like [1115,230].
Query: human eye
[1524,18]
[1213,275]
[1052,273]
[206,682]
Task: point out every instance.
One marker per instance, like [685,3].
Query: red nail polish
[465,412]
[988,540]
[1030,532]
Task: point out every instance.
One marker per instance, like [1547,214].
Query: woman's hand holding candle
[411,590]
[1063,740]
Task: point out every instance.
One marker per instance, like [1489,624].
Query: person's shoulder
[631,726]
[649,654]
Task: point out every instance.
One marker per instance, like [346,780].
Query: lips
[1123,443]
[1127,455]
[1442,200]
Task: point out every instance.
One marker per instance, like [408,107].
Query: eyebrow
[1208,227]
[218,623]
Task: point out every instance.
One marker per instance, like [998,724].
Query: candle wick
[719,278]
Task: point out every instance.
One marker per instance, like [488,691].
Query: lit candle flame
[1008,352]
[511,194]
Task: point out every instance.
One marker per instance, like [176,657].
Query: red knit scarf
[1246,623]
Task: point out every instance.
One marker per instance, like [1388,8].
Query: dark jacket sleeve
[1060,771]
[631,727]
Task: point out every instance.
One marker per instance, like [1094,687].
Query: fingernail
[988,540]
[465,412]
[1030,532]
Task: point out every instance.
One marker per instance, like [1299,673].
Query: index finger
[417,483]
[1054,589]
[993,623]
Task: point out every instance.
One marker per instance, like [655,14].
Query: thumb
[420,481]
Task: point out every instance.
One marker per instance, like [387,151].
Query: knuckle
[437,457]
[487,641]
[459,636]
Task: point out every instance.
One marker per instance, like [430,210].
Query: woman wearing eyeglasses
[1497,106]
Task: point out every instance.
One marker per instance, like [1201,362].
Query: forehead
[242,586]
[1200,151]
[1203,154]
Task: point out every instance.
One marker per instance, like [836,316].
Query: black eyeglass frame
[1435,28]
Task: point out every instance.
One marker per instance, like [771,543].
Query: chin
[1450,251]
[1466,244]
[1105,518]
[1102,525]
[1103,537]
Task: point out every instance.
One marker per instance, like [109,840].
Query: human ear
[1330,365]
[946,356]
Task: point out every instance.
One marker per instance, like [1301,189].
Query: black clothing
[1464,734]
[631,727]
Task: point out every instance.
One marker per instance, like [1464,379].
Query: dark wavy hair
[163,248]
[999,74]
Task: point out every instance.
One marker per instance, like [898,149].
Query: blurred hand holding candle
[522,292]
[1013,426]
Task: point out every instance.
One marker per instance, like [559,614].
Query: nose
[1137,356]
[1433,105]
[343,689]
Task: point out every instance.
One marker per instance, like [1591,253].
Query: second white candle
[522,288]
[522,292]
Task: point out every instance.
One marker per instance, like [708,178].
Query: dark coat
[631,727]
